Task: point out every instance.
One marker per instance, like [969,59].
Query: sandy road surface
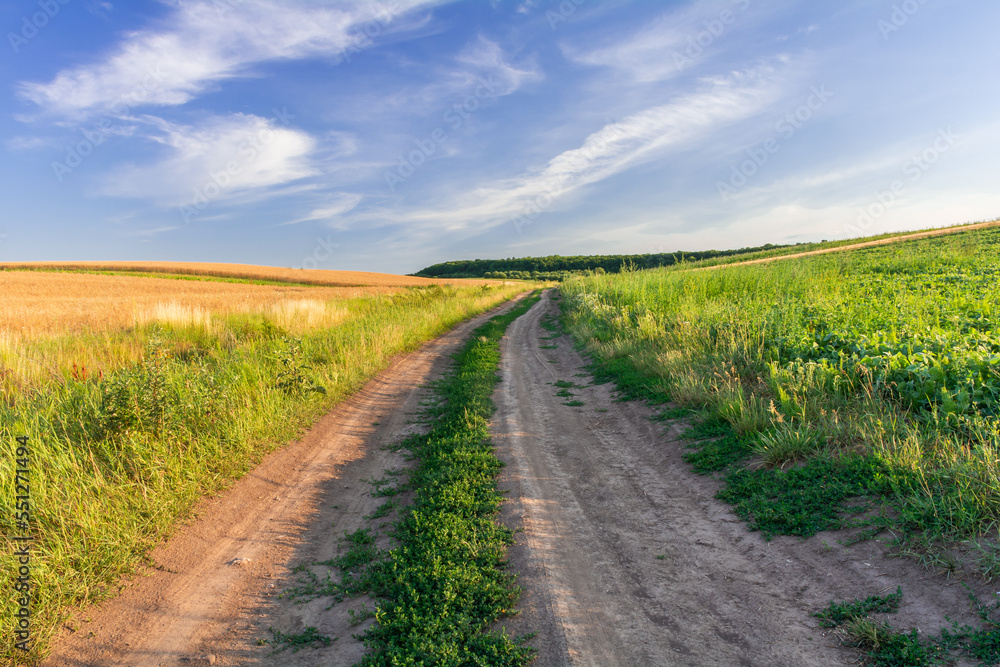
[626,558]
[214,592]
[601,493]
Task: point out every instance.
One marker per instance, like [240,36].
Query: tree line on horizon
[558,267]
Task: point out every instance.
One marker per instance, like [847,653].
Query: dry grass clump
[177,314]
[305,314]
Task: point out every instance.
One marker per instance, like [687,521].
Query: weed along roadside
[853,395]
[440,582]
[120,456]
[443,584]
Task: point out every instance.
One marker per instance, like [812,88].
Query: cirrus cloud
[203,43]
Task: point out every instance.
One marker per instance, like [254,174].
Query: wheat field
[34,303]
[142,394]
[243,271]
[61,320]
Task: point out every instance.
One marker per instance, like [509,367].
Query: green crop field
[858,390]
[872,372]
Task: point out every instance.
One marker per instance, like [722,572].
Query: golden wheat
[34,303]
[245,271]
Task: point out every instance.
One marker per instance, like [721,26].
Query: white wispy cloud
[218,159]
[638,138]
[19,144]
[646,55]
[100,8]
[205,42]
[665,46]
[333,209]
[155,231]
[481,68]
[486,57]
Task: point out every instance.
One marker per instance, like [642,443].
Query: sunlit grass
[129,427]
[890,352]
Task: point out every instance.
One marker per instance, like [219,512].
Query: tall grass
[118,457]
[890,352]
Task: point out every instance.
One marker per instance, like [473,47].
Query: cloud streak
[204,43]
[616,147]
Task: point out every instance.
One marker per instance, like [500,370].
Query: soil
[623,554]
[219,584]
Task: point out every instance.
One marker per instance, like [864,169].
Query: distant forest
[557,267]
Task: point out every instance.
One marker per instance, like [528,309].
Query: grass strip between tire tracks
[444,585]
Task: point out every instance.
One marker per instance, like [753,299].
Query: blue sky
[387,136]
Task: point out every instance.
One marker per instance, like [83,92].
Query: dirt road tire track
[599,492]
[214,592]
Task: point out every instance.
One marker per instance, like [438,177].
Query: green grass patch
[803,500]
[309,637]
[882,645]
[444,583]
[717,454]
[839,613]
[118,457]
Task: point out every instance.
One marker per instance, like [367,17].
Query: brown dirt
[601,493]
[597,493]
[214,591]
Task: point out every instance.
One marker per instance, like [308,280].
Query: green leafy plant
[309,637]
[838,613]
[292,374]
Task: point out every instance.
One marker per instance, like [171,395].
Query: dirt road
[626,558]
[214,593]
